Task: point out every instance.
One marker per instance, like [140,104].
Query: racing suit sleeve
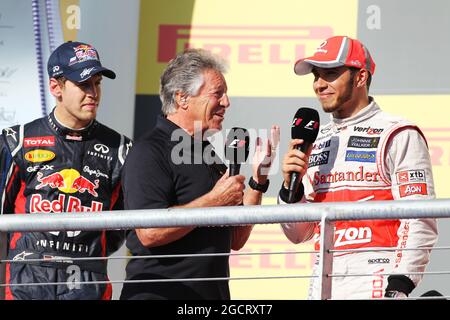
[115,238]
[408,165]
[296,232]
[9,179]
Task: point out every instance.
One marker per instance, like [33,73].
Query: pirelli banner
[261,41]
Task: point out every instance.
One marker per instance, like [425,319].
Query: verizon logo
[247,44]
[353,236]
[368,130]
[48,141]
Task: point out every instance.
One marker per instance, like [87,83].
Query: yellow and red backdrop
[261,39]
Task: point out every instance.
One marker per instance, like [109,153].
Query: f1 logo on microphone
[311,125]
[236,143]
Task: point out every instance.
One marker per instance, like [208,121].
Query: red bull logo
[84,53]
[82,184]
[39,205]
[54,180]
[68,181]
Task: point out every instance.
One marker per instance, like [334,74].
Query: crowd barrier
[326,213]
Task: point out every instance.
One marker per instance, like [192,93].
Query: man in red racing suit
[363,154]
[48,167]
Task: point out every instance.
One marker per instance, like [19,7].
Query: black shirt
[153,177]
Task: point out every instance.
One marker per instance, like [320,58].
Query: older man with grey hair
[194,101]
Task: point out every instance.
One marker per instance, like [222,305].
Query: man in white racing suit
[363,154]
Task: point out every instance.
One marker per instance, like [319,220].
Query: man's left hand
[263,157]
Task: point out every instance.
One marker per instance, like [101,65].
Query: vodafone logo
[47,141]
[321,49]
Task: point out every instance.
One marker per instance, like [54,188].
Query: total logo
[68,181]
[47,141]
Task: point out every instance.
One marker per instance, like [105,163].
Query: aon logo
[352,236]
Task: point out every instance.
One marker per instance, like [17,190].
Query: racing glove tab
[400,283]
[284,193]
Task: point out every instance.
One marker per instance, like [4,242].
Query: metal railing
[326,213]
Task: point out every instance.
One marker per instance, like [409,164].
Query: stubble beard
[337,104]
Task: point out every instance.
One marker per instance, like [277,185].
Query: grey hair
[184,73]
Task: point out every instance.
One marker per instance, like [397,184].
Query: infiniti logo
[101,148]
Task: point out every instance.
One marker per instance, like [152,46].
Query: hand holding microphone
[228,191]
[304,131]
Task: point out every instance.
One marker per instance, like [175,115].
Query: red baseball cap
[336,52]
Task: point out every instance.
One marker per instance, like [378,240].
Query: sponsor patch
[39,155]
[43,167]
[11,133]
[100,151]
[352,236]
[363,142]
[378,260]
[412,189]
[318,159]
[325,130]
[340,176]
[411,176]
[368,130]
[47,141]
[72,204]
[322,145]
[83,53]
[361,156]
[67,181]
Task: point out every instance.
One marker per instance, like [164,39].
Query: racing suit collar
[69,133]
[362,115]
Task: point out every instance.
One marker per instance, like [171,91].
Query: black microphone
[305,125]
[237,149]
